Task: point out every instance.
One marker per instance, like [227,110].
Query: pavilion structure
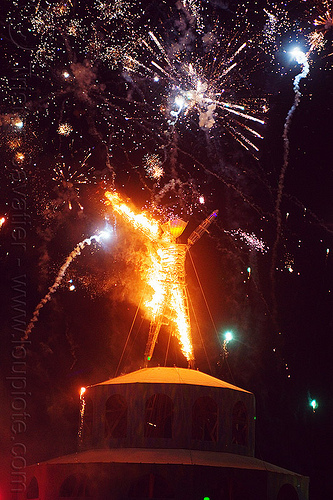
[165,432]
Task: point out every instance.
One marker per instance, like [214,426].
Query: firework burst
[206,81]
[324,23]
[321,17]
[153,167]
[69,181]
[65,129]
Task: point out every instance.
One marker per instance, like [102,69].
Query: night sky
[95,98]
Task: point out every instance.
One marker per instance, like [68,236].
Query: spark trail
[302,59]
[82,409]
[74,253]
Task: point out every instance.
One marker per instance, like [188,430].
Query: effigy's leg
[154,330]
[181,318]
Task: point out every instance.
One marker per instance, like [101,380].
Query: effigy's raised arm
[142,222]
[199,231]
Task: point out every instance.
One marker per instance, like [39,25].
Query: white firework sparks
[152,165]
[250,239]
[65,129]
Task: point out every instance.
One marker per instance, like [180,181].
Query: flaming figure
[166,273]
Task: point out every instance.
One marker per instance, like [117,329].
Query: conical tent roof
[170,375]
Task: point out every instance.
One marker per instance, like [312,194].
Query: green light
[149,358]
[206,498]
[314,404]
[228,336]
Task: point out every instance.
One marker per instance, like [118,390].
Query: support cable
[202,342]
[128,336]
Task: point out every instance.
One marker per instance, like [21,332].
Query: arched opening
[240,426]
[287,492]
[33,489]
[159,416]
[75,485]
[151,486]
[205,419]
[116,417]
[87,419]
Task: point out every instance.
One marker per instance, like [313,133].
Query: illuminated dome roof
[170,375]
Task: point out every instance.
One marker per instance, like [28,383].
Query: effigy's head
[174,228]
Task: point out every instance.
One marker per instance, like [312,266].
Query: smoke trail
[302,59]
[74,253]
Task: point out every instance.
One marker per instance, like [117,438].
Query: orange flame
[165,275]
[142,221]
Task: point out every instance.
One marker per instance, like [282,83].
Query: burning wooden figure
[166,274]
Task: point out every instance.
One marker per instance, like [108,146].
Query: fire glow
[165,273]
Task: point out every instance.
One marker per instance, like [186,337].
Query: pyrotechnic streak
[74,253]
[159,45]
[82,408]
[232,109]
[165,272]
[2,221]
[301,59]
